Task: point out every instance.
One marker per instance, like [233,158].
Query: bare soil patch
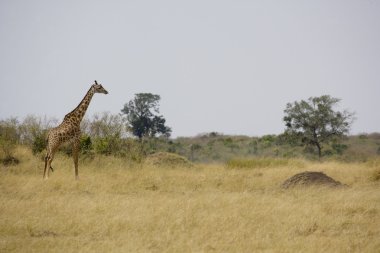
[311,178]
[165,159]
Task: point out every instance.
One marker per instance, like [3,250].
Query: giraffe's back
[63,133]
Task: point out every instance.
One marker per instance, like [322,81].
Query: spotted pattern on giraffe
[69,131]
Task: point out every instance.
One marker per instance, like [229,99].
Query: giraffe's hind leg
[48,161]
[76,149]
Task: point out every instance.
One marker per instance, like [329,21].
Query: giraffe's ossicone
[69,131]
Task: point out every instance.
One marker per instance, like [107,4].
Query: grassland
[121,207]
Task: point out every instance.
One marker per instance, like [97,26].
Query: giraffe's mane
[67,116]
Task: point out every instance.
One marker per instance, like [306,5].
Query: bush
[108,145]
[134,150]
[267,140]
[85,144]
[39,143]
[101,146]
[7,147]
[339,148]
[253,147]
[8,138]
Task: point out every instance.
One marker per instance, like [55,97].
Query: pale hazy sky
[226,66]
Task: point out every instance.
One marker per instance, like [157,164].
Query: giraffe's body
[69,131]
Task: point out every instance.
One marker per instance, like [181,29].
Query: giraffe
[69,131]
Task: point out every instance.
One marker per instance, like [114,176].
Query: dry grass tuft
[9,161]
[264,163]
[375,176]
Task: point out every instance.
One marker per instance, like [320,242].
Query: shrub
[7,147]
[39,143]
[101,146]
[108,145]
[134,150]
[339,148]
[253,147]
[8,139]
[267,140]
[85,144]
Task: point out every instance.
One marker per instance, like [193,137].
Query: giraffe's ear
[96,82]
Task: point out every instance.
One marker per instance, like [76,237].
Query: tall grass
[253,163]
[120,207]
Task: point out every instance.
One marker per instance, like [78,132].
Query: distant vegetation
[314,129]
[106,134]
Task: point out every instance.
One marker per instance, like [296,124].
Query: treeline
[107,134]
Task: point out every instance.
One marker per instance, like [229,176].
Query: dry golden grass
[116,207]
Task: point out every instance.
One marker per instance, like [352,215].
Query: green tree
[315,122]
[142,116]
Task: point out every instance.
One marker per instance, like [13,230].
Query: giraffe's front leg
[76,149]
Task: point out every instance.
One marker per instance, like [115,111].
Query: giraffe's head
[98,88]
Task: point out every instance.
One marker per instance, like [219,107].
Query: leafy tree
[142,116]
[315,122]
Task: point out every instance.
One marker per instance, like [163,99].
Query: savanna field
[117,206]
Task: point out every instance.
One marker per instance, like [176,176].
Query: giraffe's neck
[77,114]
